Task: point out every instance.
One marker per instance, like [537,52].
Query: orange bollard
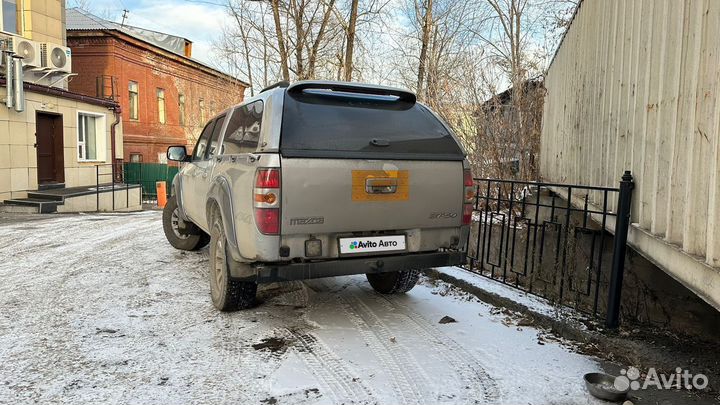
[161,190]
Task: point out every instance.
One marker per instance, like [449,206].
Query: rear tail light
[468,196]
[467,214]
[266,201]
[267,178]
[267,220]
[469,193]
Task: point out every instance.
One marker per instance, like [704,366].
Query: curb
[571,329]
[607,346]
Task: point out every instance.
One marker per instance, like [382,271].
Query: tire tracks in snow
[406,376]
[330,370]
[464,363]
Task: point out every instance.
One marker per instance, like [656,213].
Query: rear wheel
[188,238]
[227,294]
[394,282]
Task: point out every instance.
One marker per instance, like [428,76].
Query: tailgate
[352,195]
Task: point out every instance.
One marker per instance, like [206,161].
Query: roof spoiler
[281,84]
[403,96]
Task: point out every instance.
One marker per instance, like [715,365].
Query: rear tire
[191,238]
[394,282]
[226,294]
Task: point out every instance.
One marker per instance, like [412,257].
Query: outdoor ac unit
[56,57]
[28,50]
[5,42]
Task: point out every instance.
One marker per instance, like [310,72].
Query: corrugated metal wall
[634,86]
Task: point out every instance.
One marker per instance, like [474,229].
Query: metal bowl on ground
[602,386]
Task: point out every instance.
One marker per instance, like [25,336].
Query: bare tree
[350,44]
[280,39]
[295,39]
[423,12]
[458,55]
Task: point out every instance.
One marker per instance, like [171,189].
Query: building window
[136,158]
[9,16]
[91,136]
[202,112]
[161,105]
[133,89]
[181,108]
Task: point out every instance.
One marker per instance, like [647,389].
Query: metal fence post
[97,187]
[619,246]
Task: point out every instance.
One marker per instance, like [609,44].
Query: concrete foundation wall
[649,296]
[125,200]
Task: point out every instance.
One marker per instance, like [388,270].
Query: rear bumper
[265,273]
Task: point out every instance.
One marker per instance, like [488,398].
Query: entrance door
[49,145]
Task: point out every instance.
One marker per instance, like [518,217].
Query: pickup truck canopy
[361,124]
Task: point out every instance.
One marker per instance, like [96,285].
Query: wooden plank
[702,138]
[656,69]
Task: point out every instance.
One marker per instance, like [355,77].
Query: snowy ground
[101,309]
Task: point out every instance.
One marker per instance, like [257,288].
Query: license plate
[372,244]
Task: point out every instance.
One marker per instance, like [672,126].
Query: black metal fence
[110,177]
[551,240]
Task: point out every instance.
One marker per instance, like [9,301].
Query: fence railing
[551,240]
[147,174]
[111,177]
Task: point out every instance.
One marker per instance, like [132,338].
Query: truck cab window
[201,146]
[243,130]
[213,148]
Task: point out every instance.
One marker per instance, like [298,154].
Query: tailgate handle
[381,186]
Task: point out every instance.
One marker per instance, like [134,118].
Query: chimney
[188,49]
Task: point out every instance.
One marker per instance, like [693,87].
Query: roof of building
[60,92]
[506,96]
[80,20]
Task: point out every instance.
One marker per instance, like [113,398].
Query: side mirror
[177,153]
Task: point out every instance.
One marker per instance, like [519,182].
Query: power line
[207,2]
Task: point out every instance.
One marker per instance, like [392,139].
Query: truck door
[197,177]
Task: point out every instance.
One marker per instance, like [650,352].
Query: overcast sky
[197,20]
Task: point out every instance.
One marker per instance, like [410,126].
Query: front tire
[190,238]
[227,294]
[395,282]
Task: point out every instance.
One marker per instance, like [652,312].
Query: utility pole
[124,16]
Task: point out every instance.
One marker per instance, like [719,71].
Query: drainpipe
[9,78]
[116,114]
[18,85]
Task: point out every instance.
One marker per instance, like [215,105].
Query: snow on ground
[101,309]
[533,302]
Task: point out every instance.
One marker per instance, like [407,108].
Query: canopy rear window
[344,125]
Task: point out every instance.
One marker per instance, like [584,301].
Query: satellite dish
[26,50]
[58,58]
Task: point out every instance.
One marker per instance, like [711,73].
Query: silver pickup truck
[319,179]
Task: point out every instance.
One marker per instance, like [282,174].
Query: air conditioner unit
[28,50]
[5,42]
[56,57]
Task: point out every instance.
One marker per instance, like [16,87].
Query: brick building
[166,96]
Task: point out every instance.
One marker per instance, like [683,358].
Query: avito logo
[371,244]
